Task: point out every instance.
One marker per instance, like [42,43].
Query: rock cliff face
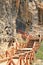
[7,23]
[12,14]
[10,10]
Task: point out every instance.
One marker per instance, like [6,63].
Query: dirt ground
[38,62]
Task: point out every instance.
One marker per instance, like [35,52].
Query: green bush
[39,53]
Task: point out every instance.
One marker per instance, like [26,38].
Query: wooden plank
[36,38]
[25,49]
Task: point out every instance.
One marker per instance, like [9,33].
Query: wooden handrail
[16,56]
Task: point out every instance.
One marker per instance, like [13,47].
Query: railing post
[27,58]
[21,58]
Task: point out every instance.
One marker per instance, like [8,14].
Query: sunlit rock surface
[8,15]
[7,22]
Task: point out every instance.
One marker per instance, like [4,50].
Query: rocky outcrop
[9,11]
[7,25]
[12,11]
